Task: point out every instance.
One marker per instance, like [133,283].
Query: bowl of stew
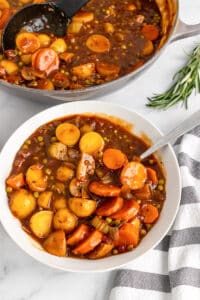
[74,193]
[106,44]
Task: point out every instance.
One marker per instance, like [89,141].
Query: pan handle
[184,30]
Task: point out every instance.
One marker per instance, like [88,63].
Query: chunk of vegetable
[64,173]
[89,244]
[84,71]
[59,203]
[36,178]
[149,212]
[86,166]
[75,187]
[40,223]
[16,181]
[74,27]
[64,219]
[67,56]
[91,143]
[98,43]
[5,15]
[45,84]
[144,193]
[128,235]
[44,199]
[55,243]
[10,67]
[128,211]
[82,207]
[114,159]
[29,73]
[22,203]
[152,176]
[133,175]
[101,251]
[78,235]
[44,39]
[58,151]
[110,206]
[67,133]
[148,48]
[83,17]
[106,69]
[45,59]
[108,27]
[100,224]
[150,32]
[104,190]
[59,45]
[27,42]
[4,4]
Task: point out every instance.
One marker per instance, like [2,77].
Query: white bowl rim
[103,106]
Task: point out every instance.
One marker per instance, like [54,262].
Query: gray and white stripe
[175,261]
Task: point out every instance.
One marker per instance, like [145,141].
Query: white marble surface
[21,277]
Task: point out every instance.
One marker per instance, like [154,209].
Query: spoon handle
[182,128]
[70,7]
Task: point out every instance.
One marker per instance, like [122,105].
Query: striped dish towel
[171,271]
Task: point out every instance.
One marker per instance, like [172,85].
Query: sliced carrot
[128,235]
[133,175]
[27,42]
[67,133]
[98,43]
[106,69]
[152,176]
[89,244]
[110,207]
[150,32]
[104,190]
[128,211]
[78,235]
[114,159]
[149,212]
[16,181]
[5,14]
[45,59]
[84,71]
[144,193]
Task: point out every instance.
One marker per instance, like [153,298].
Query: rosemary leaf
[186,80]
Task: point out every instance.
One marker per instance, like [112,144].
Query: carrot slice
[110,207]
[78,235]
[114,159]
[106,69]
[89,244]
[102,250]
[16,181]
[133,175]
[128,235]
[127,212]
[104,190]
[45,59]
[144,193]
[149,212]
[98,43]
[150,32]
[27,42]
[5,14]
[152,176]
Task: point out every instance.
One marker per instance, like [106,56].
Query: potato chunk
[74,27]
[36,179]
[64,173]
[40,223]
[68,134]
[59,46]
[102,250]
[55,243]
[44,199]
[91,143]
[148,48]
[83,17]
[64,219]
[84,71]
[44,40]
[82,207]
[59,203]
[58,151]
[10,67]
[22,203]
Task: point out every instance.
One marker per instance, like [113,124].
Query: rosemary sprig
[186,80]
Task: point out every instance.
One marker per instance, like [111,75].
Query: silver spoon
[170,137]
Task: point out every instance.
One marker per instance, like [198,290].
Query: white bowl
[140,126]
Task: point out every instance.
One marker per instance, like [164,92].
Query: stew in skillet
[79,189]
[105,40]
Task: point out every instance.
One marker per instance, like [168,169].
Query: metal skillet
[173,29]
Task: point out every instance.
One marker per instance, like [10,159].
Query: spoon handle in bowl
[70,7]
[182,128]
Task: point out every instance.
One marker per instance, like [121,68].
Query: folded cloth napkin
[171,271]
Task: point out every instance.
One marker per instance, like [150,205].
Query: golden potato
[26,58]
[4,4]
[67,133]
[148,48]
[36,179]
[59,45]
[59,203]
[10,67]
[84,71]
[86,166]
[44,39]
[65,220]
[22,203]
[83,17]
[108,27]
[40,223]
[44,199]
[82,207]
[58,150]
[55,243]
[101,251]
[64,173]
[74,27]
[91,143]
